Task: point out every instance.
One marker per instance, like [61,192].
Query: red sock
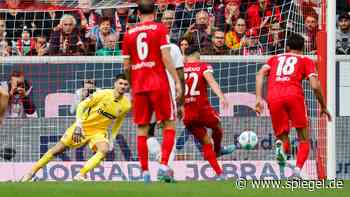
[303,153]
[167,145]
[217,137]
[210,156]
[286,147]
[142,152]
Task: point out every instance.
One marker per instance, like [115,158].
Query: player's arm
[4,100]
[171,69]
[126,57]
[316,87]
[87,103]
[264,71]
[127,68]
[209,77]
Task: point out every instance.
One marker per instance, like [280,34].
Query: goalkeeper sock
[92,163]
[142,152]
[217,138]
[303,153]
[48,156]
[286,147]
[210,156]
[167,145]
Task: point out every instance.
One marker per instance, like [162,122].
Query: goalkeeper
[94,115]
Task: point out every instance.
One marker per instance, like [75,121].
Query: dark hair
[146,6]
[105,18]
[295,42]
[120,76]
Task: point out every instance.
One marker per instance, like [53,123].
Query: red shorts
[288,109]
[159,102]
[197,119]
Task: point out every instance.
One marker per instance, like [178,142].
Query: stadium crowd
[219,27]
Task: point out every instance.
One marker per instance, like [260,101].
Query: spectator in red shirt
[227,14]
[25,43]
[252,44]
[260,14]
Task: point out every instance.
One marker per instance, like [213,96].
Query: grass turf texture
[182,189]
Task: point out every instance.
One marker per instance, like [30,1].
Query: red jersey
[286,72]
[143,44]
[196,95]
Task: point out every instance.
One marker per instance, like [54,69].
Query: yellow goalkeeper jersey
[102,110]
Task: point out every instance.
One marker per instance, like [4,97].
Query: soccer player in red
[199,114]
[285,98]
[147,50]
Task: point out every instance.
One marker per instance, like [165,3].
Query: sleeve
[164,39]
[178,59]
[207,68]
[89,102]
[119,121]
[309,68]
[125,48]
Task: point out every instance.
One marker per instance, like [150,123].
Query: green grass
[182,189]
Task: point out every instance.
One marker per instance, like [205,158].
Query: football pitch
[156,189]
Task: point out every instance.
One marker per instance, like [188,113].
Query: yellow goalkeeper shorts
[67,139]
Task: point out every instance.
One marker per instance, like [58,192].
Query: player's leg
[99,143]
[142,150]
[280,124]
[210,118]
[152,142]
[142,112]
[200,133]
[46,158]
[165,112]
[299,119]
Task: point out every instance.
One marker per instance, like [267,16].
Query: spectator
[227,14]
[111,48]
[218,46]
[168,18]
[65,40]
[235,38]
[88,17]
[5,50]
[184,44]
[121,20]
[40,48]
[311,28]
[17,21]
[162,6]
[82,93]
[185,13]
[343,34]
[20,103]
[200,31]
[275,41]
[101,32]
[252,44]
[260,14]
[25,43]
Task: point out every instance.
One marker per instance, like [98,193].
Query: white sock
[154,147]
[172,156]
[164,167]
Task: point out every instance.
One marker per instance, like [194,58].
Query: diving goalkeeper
[93,117]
